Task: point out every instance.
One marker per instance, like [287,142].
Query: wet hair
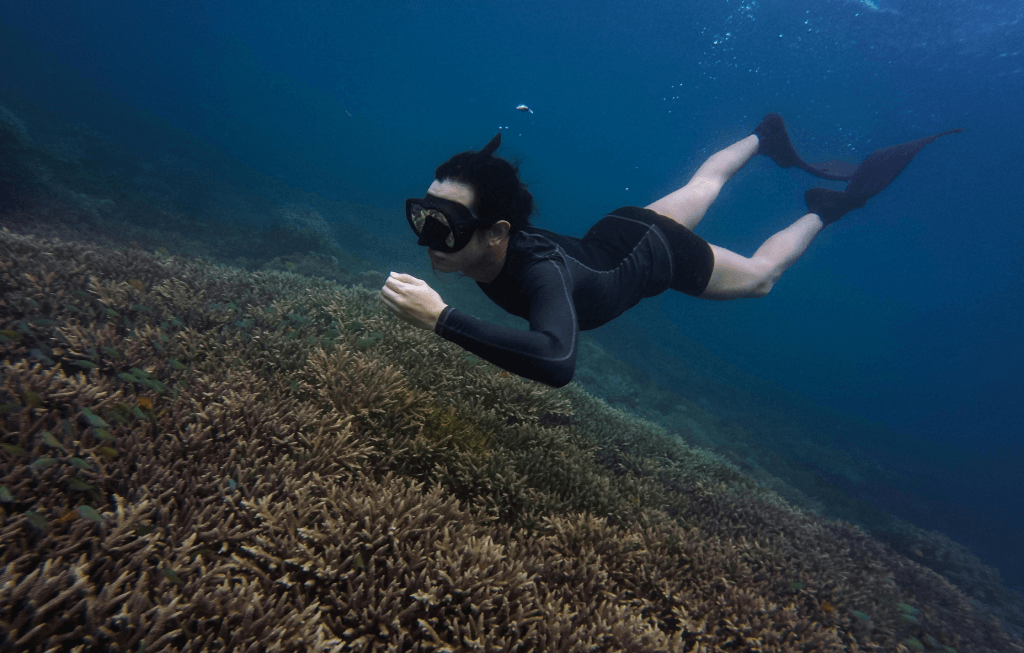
[500,194]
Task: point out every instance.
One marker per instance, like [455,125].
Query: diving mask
[442,225]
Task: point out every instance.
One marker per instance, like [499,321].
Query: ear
[497,232]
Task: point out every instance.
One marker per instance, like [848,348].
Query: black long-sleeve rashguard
[562,285]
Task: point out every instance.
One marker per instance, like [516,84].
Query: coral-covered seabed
[203,458]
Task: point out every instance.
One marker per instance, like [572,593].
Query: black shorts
[692,257]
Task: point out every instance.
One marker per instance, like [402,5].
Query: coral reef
[201,458]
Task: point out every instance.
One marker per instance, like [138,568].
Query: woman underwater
[475,219]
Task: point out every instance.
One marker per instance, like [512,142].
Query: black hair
[500,194]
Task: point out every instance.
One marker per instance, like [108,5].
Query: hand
[412,300]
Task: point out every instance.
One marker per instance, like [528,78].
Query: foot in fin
[773,142]
[830,205]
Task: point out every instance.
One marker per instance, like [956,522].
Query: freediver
[475,219]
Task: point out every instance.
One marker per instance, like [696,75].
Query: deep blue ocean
[906,315]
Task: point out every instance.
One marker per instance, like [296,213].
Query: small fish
[45,462]
[94,420]
[115,416]
[36,520]
[12,334]
[5,494]
[38,355]
[50,440]
[524,108]
[79,463]
[88,512]
[13,449]
[170,575]
[67,516]
[78,484]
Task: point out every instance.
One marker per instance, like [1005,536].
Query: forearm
[536,355]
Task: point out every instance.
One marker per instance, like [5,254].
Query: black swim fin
[773,142]
[866,180]
[876,172]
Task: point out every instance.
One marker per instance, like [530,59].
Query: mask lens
[417,217]
[441,229]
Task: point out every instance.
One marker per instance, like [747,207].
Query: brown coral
[210,459]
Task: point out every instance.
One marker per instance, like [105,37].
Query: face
[469,255]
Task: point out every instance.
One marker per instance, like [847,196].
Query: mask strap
[491,146]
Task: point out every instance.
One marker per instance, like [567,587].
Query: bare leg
[689,204]
[735,276]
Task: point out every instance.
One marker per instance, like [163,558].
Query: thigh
[688,205]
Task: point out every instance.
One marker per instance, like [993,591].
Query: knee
[762,280]
[760,290]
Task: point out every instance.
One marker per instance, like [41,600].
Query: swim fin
[866,180]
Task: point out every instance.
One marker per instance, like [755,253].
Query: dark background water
[906,314]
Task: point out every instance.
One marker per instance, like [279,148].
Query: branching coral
[199,458]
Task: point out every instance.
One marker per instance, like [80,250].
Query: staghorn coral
[199,458]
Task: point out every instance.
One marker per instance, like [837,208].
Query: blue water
[906,314]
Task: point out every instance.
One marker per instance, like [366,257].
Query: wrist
[437,317]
